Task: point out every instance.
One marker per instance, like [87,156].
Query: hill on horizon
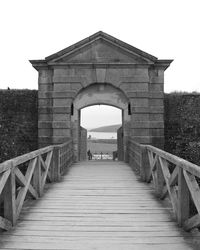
[107,129]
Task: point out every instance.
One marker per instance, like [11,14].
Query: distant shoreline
[108,141]
[106,129]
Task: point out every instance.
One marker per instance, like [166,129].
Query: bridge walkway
[97,205]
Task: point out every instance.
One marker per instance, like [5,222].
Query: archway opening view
[102,123]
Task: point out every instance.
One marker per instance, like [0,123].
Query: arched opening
[101,123]
[99,94]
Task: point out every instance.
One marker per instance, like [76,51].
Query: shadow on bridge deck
[97,205]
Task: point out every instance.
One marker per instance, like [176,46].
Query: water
[102,135]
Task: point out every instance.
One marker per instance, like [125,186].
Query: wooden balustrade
[25,177]
[172,177]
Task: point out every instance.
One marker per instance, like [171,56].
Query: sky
[34,29]
[100,115]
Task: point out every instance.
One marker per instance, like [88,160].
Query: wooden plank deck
[98,205]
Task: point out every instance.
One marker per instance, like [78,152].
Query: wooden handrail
[29,173]
[172,177]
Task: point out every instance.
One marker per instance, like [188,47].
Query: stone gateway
[101,70]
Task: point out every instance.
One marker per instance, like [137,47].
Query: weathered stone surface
[139,102]
[45,132]
[148,124]
[45,102]
[61,117]
[156,102]
[54,110]
[59,87]
[156,87]
[135,87]
[54,124]
[137,117]
[101,70]
[62,102]
[83,144]
[45,117]
[147,110]
[60,94]
[45,87]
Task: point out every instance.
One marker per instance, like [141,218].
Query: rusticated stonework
[100,70]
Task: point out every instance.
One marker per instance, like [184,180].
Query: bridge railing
[25,177]
[172,177]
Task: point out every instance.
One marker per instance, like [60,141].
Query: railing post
[37,178]
[144,164]
[183,198]
[159,179]
[56,164]
[9,198]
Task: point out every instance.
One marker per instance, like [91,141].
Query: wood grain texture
[97,205]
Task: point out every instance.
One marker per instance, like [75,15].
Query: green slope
[107,129]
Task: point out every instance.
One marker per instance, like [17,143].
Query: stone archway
[101,59]
[99,93]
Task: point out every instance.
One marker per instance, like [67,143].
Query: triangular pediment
[101,48]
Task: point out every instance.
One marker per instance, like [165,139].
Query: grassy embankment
[102,145]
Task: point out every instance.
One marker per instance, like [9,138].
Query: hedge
[182,125]
[18,122]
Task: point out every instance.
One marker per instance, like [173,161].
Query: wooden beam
[183,198]
[9,199]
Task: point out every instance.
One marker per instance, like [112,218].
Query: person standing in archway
[89,155]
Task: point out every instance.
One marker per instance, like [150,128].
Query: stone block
[150,124]
[145,94]
[60,139]
[57,124]
[156,87]
[152,140]
[135,79]
[61,117]
[156,76]
[44,124]
[157,79]
[148,110]
[69,79]
[59,87]
[45,87]
[45,117]
[133,87]
[156,132]
[62,102]
[156,102]
[139,117]
[45,102]
[54,110]
[139,102]
[142,139]
[156,117]
[140,132]
[52,94]
[76,86]
[45,76]
[61,132]
[45,132]
[62,124]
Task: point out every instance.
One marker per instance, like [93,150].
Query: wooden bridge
[99,204]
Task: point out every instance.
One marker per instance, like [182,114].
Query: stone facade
[100,70]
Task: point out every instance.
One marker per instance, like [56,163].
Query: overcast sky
[34,29]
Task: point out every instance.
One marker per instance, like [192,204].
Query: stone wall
[83,144]
[120,146]
[18,123]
